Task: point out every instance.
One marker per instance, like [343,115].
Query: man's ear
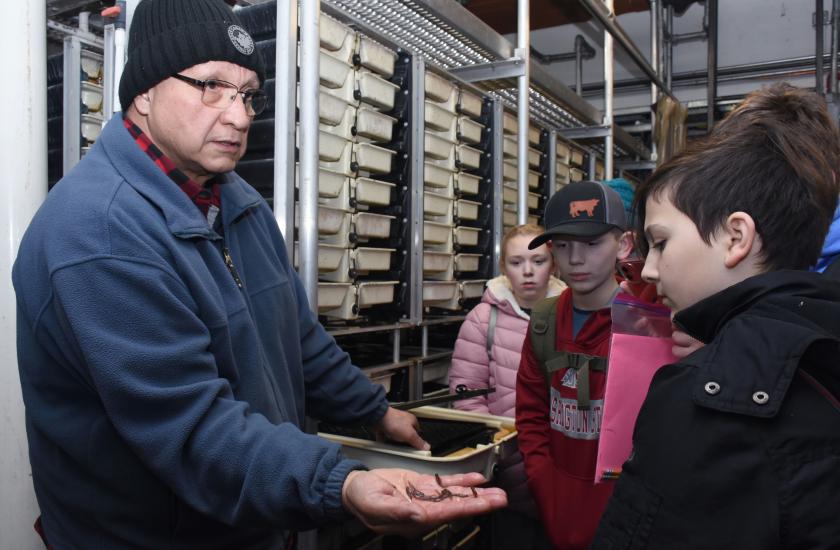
[142,103]
[625,245]
[738,236]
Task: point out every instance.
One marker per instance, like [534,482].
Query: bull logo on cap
[241,40]
[576,208]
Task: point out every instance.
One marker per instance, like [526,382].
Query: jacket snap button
[761,397]
[712,388]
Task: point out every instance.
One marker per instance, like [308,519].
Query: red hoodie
[559,442]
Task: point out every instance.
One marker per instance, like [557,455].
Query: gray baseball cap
[582,209]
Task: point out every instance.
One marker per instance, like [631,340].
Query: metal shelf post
[284,122]
[609,76]
[310,11]
[523,51]
[416,185]
[72,89]
[497,182]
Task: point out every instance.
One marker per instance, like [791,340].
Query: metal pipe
[818,72]
[604,13]
[416,187]
[23,169]
[609,78]
[579,46]
[655,37]
[835,42]
[284,122]
[523,104]
[711,85]
[551,181]
[84,21]
[120,42]
[496,181]
[308,148]
[724,74]
[688,37]
[71,108]
[669,54]
[109,97]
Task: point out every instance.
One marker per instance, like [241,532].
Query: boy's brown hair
[775,157]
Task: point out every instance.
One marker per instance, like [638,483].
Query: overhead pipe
[607,18]
[669,47]
[711,83]
[818,69]
[609,77]
[789,67]
[655,37]
[523,104]
[835,42]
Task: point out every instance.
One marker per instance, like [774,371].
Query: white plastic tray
[92,65]
[344,128]
[329,256]
[330,220]
[509,171]
[469,130]
[467,210]
[333,295]
[437,205]
[467,262]
[372,192]
[438,118]
[509,147]
[439,291]
[436,262]
[438,89]
[576,174]
[372,293]
[469,104]
[374,125]
[330,184]
[371,158]
[436,147]
[472,289]
[333,73]
[509,193]
[372,226]
[466,236]
[533,201]
[533,179]
[562,172]
[576,157]
[533,135]
[436,176]
[562,150]
[467,183]
[331,110]
[510,125]
[483,459]
[469,157]
[371,259]
[376,57]
[374,90]
[509,217]
[436,233]
[91,127]
[534,157]
[331,147]
[92,96]
[333,34]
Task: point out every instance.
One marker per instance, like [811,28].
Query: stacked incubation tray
[355,130]
[562,173]
[91,100]
[576,160]
[510,168]
[456,179]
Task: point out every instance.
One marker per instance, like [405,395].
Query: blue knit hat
[626,192]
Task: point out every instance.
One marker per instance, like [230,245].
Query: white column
[23,184]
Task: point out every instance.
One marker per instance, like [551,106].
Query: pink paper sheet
[633,361]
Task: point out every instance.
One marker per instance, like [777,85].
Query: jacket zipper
[230,266]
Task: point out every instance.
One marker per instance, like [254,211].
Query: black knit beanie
[168,36]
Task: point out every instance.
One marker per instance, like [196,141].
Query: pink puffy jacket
[472,367]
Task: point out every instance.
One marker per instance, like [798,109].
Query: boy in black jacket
[738,445]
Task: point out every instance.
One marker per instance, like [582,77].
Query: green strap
[543,331]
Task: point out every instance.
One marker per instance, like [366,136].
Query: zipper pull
[231,267]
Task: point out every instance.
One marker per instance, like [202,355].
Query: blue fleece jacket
[163,402]
[831,246]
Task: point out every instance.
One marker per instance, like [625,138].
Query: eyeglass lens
[219,94]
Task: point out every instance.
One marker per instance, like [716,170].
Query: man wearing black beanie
[167,352]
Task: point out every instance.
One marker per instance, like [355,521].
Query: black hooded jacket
[738,445]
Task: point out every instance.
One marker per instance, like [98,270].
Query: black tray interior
[444,436]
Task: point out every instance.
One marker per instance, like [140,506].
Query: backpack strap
[543,339]
[491,329]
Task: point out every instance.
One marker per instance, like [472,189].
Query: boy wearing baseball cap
[562,374]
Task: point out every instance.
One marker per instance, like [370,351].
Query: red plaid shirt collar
[202,197]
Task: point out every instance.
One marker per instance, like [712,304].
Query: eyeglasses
[220,94]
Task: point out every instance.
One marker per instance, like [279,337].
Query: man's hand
[684,344]
[402,426]
[380,500]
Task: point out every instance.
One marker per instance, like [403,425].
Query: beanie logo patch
[241,40]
